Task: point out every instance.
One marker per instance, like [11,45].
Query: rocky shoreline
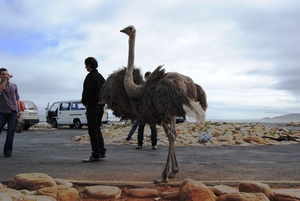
[223,133]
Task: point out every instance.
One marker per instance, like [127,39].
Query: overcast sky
[245,54]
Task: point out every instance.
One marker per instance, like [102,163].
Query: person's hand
[6,78]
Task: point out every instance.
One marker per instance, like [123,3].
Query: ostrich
[159,100]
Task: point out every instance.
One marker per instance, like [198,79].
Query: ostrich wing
[161,100]
[114,95]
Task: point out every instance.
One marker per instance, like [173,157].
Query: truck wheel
[54,123]
[77,124]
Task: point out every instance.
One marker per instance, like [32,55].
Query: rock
[13,194]
[4,197]
[222,189]
[1,186]
[36,198]
[243,197]
[285,195]
[170,195]
[101,192]
[31,181]
[191,190]
[142,193]
[205,137]
[63,182]
[254,187]
[60,193]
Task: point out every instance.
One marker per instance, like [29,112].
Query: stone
[36,198]
[254,187]
[63,182]
[60,192]
[243,197]
[4,197]
[142,193]
[174,195]
[191,190]
[285,195]
[31,181]
[222,189]
[1,186]
[13,194]
[101,192]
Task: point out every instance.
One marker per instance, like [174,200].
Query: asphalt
[54,152]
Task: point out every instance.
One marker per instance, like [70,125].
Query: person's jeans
[134,126]
[11,120]
[141,134]
[94,115]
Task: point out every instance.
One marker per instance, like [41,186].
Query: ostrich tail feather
[195,111]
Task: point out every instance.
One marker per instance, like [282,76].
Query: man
[94,111]
[152,128]
[9,109]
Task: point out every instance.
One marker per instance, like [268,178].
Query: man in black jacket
[94,111]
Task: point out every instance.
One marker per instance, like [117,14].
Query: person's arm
[19,108]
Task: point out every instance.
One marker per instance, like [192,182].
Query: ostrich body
[159,100]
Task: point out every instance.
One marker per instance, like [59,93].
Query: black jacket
[91,88]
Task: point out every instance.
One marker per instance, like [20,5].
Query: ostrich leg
[175,167]
[171,134]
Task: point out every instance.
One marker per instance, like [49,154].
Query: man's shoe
[91,159]
[102,156]
[139,147]
[154,147]
[129,141]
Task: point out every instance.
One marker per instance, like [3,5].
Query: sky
[244,54]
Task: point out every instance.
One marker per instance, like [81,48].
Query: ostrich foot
[172,174]
[161,180]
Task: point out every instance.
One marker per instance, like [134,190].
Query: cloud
[245,54]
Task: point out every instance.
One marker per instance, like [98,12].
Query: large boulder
[101,192]
[60,192]
[191,190]
[13,194]
[255,187]
[243,197]
[31,181]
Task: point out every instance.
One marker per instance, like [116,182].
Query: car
[180,120]
[30,114]
[70,112]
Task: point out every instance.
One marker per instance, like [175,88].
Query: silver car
[30,115]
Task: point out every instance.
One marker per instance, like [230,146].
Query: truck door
[63,117]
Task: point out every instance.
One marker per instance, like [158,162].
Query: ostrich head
[130,30]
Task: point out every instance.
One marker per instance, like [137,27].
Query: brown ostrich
[159,100]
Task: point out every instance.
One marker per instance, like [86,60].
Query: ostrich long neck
[133,90]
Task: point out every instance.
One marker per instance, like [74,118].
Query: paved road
[52,152]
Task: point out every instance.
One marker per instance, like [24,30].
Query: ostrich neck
[133,90]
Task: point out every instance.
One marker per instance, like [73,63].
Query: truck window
[65,106]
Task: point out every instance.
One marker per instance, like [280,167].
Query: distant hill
[295,117]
